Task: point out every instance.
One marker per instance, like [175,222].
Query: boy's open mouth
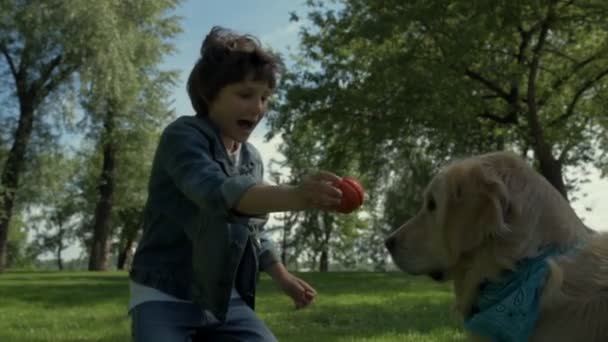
[246,124]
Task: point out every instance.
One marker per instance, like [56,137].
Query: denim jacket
[195,246]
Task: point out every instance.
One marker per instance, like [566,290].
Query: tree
[41,45]
[119,97]
[45,47]
[454,77]
[323,236]
[134,160]
[55,203]
[288,221]
[130,221]
[19,253]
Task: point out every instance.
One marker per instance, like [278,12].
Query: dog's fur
[480,216]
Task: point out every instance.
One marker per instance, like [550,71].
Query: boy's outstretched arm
[314,192]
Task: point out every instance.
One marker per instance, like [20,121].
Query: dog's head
[465,206]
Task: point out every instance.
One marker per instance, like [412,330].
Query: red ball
[352,195]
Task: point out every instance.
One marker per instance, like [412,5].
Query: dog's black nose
[390,243]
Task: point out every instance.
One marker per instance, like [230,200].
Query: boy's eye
[248,96]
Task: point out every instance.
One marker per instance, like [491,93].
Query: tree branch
[505,120]
[579,93]
[489,84]
[569,146]
[568,3]
[55,81]
[45,73]
[9,60]
[536,131]
[50,66]
[562,155]
[562,80]
[525,40]
[538,49]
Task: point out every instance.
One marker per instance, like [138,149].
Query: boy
[195,269]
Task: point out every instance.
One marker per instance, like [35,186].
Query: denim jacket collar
[219,152]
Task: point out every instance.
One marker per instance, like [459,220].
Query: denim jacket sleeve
[267,254]
[189,163]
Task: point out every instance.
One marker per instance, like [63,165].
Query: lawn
[83,306]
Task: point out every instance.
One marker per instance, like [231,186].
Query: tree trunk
[324,263]
[60,236]
[59,258]
[126,252]
[284,243]
[100,246]
[12,170]
[328,224]
[131,220]
[315,258]
[550,167]
[289,220]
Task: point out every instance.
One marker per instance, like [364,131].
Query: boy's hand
[318,192]
[300,292]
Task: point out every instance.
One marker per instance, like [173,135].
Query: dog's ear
[496,211]
[479,202]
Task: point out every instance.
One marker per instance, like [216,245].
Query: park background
[385,91]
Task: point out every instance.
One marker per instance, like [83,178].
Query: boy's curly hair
[227,57]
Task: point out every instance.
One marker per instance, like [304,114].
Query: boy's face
[239,107]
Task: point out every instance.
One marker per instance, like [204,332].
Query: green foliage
[108,51]
[390,91]
[19,252]
[449,78]
[55,204]
[126,105]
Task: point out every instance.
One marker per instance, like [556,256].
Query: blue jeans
[185,322]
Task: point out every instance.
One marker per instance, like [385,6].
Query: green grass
[82,306]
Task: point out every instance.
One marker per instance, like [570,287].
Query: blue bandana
[507,310]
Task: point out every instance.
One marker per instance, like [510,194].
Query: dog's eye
[430,204]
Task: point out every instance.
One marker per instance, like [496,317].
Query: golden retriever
[482,217]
